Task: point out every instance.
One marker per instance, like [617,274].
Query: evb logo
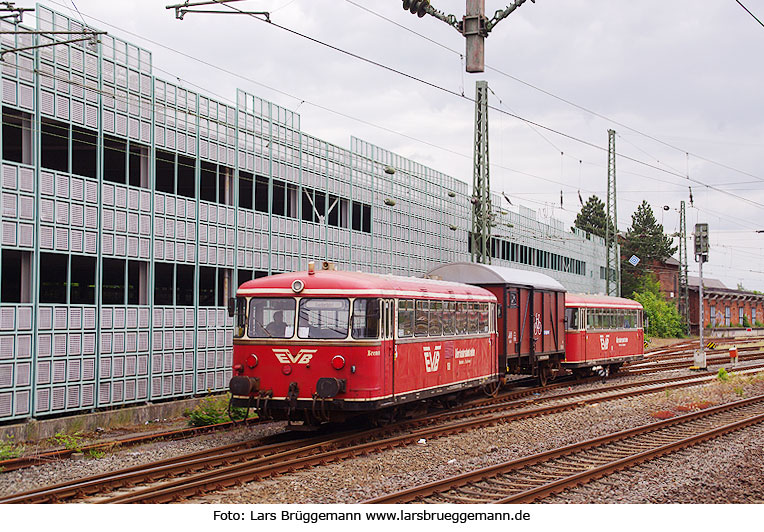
[285,356]
[431,358]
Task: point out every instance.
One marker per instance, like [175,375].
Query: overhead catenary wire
[443,89]
[578,106]
[531,122]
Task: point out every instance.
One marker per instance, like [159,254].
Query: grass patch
[72,442]
[214,410]
[9,449]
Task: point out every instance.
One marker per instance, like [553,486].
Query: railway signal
[701,241]
[701,256]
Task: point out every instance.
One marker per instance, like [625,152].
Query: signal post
[701,256]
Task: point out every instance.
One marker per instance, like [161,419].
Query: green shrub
[722,375]
[662,317]
[72,442]
[213,410]
[96,453]
[10,449]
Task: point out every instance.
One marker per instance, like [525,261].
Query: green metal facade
[132,207]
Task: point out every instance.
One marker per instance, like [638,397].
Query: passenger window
[436,325]
[461,318]
[449,317]
[483,318]
[405,318]
[422,318]
[473,318]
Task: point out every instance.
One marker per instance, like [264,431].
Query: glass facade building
[131,208]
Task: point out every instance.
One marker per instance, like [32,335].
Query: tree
[645,239]
[592,218]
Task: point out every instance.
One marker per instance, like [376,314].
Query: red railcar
[321,346]
[531,313]
[602,333]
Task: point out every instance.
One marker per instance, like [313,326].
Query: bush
[664,320]
[213,410]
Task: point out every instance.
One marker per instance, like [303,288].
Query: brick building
[724,307]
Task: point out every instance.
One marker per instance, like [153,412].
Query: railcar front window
[366,318]
[271,317]
[323,318]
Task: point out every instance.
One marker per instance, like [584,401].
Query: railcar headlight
[286,369]
[297,286]
[338,362]
[252,361]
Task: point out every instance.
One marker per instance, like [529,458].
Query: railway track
[537,476]
[221,468]
[745,354]
[22,462]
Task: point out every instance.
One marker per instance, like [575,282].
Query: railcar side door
[388,346]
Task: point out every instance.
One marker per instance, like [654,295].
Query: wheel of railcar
[492,389]
[544,373]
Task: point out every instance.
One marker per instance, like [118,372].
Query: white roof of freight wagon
[482,274]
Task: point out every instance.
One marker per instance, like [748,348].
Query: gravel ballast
[726,470]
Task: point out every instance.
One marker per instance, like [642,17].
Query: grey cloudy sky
[679,81]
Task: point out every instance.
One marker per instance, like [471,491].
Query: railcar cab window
[271,317]
[323,318]
[571,319]
[366,318]
[241,316]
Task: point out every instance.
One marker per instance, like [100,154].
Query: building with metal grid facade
[131,208]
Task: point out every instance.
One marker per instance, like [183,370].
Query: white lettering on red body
[431,358]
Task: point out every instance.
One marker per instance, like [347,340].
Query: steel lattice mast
[613,262]
[684,291]
[480,238]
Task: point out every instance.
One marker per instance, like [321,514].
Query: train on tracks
[324,345]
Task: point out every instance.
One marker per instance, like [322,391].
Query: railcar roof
[474,273]
[349,284]
[585,300]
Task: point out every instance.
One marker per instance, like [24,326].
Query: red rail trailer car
[602,333]
[530,317]
[319,346]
